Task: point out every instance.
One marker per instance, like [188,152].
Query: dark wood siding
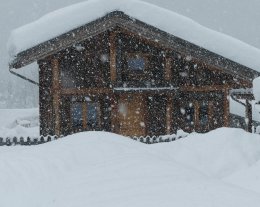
[94,67]
[156,120]
[86,65]
[45,98]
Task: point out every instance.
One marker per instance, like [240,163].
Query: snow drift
[66,19]
[19,123]
[104,169]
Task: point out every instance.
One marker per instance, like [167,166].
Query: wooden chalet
[122,75]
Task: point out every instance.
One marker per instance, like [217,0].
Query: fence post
[28,141]
[15,140]
[8,141]
[21,141]
[48,138]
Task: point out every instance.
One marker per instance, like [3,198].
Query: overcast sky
[237,18]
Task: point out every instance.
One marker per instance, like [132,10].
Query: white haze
[236,18]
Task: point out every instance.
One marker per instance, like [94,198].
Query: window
[92,115]
[136,63]
[189,114]
[76,115]
[85,115]
[203,113]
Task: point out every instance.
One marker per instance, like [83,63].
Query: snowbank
[247,178]
[19,123]
[104,169]
[66,19]
[218,153]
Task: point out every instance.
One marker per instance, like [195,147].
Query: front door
[131,115]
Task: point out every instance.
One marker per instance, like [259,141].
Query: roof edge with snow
[132,24]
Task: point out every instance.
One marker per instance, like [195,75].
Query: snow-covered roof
[66,19]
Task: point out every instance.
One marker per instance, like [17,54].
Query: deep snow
[103,169]
[19,123]
[53,24]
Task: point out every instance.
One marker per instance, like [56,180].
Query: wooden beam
[169,112]
[226,108]
[196,117]
[168,71]
[85,91]
[112,41]
[56,95]
[114,113]
[84,115]
[210,114]
[204,88]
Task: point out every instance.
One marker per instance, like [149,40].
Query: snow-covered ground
[219,168]
[19,122]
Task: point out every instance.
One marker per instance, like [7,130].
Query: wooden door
[131,115]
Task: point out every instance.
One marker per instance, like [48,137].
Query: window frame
[144,56]
[132,55]
[84,105]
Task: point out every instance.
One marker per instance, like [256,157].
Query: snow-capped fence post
[41,140]
[1,141]
[8,141]
[35,141]
[21,141]
[48,138]
[148,141]
[15,142]
[28,141]
[155,140]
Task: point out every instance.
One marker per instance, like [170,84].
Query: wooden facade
[126,82]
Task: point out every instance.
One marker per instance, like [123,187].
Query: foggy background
[237,18]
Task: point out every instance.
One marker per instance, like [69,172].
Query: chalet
[130,68]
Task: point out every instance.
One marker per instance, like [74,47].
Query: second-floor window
[136,63]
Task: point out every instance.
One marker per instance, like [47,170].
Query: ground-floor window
[199,113]
[77,115]
[204,113]
[85,114]
[92,116]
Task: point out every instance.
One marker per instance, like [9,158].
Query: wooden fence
[158,139]
[11,141]
[27,141]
